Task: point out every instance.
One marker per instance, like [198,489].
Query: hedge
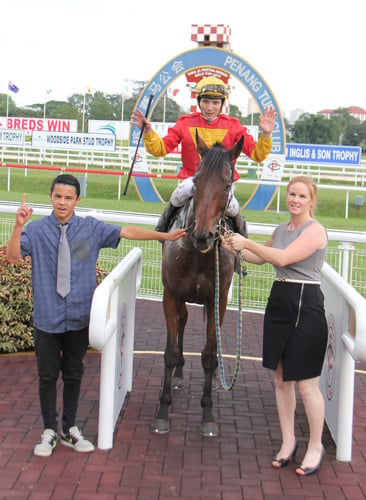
[16,304]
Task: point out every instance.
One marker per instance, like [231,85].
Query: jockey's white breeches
[185,189]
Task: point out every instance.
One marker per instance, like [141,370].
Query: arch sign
[257,87]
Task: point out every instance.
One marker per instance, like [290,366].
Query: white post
[346,248]
[82,128]
[119,186]
[345,406]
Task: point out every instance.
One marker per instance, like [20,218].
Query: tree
[101,108]
[62,109]
[341,121]
[235,111]
[312,129]
[12,109]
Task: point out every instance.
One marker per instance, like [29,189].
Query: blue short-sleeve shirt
[39,240]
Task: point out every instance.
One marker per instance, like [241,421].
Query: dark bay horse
[188,274]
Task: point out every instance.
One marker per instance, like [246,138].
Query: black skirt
[295,330]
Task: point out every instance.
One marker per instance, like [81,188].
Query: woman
[295,331]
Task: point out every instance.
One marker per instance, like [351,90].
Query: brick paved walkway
[181,464]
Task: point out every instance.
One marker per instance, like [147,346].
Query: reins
[217,319]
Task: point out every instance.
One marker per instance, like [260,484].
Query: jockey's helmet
[211,87]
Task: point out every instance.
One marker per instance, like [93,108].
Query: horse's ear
[200,144]
[237,148]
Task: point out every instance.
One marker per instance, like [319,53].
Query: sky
[310,53]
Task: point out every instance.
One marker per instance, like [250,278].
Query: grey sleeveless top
[307,269]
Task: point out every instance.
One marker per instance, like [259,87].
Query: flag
[173,92]
[48,91]
[13,87]
[88,90]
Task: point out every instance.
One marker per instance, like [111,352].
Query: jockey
[212,126]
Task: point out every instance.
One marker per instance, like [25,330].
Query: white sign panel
[273,167]
[38,124]
[76,141]
[12,137]
[122,129]
[138,159]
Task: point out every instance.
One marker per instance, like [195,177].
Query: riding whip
[138,144]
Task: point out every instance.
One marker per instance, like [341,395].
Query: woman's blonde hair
[311,185]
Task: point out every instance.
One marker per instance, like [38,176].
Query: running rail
[112,330]
[345,310]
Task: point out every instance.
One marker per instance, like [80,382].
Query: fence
[118,164]
[28,155]
[343,246]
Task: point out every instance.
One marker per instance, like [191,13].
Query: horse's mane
[212,160]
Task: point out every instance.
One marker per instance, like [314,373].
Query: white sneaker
[47,444]
[74,439]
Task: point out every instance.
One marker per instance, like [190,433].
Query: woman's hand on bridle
[233,242]
[225,242]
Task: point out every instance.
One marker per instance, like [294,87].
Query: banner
[323,154]
[39,124]
[12,137]
[77,141]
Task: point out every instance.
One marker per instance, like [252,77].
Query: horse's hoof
[159,425]
[209,429]
[178,382]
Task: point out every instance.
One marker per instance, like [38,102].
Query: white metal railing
[112,331]
[346,317]
[256,285]
[27,155]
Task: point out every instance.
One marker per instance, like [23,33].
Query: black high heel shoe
[277,463]
[307,471]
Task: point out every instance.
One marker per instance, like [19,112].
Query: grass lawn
[102,193]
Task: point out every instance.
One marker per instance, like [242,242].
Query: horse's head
[212,184]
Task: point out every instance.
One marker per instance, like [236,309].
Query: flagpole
[164,106]
[82,128]
[7,105]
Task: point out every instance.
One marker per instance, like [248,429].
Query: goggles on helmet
[212,90]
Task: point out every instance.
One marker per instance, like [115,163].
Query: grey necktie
[63,264]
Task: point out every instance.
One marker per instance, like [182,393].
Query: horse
[188,275]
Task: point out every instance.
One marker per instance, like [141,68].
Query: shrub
[16,325]
[16,307]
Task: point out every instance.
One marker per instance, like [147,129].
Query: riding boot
[240,225]
[166,218]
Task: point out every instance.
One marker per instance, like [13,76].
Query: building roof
[352,110]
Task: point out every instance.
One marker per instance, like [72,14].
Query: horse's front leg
[171,357]
[209,363]
[178,380]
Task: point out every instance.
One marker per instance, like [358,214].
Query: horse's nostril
[203,240]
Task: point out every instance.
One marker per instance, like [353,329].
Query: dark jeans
[57,352]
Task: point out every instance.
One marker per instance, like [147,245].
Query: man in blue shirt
[61,322]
